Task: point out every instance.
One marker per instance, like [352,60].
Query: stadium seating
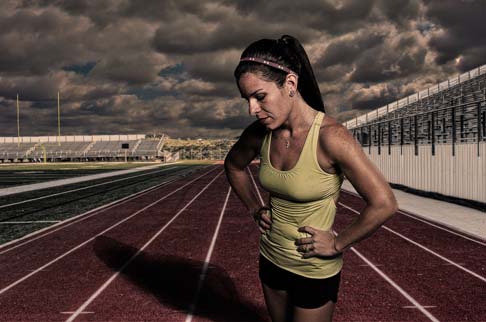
[110,149]
[13,151]
[146,148]
[455,114]
[65,150]
[141,149]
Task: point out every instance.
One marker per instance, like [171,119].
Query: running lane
[160,283]
[67,282]
[449,293]
[236,253]
[21,258]
[364,294]
[468,253]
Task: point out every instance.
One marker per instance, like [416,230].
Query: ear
[291,82]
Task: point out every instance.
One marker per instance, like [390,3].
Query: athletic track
[187,251]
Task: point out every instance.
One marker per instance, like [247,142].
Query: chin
[268,125]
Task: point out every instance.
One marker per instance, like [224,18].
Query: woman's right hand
[263,219]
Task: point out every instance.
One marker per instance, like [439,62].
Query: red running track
[143,259]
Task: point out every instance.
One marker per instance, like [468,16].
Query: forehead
[250,82]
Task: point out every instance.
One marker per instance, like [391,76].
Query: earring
[291,93]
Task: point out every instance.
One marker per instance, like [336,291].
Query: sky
[166,66]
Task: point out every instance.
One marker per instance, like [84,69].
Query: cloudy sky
[126,66]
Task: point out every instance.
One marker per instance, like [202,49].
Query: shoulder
[335,139]
[253,135]
[248,145]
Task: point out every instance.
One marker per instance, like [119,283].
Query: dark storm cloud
[193,34]
[99,12]
[462,31]
[157,10]
[216,66]
[369,98]
[34,88]
[347,50]
[134,69]
[126,66]
[399,12]
[376,55]
[35,42]
[386,63]
[335,17]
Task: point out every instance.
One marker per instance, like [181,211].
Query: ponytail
[308,87]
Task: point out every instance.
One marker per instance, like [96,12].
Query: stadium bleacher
[111,149]
[147,148]
[59,151]
[451,115]
[89,150]
[14,150]
[432,142]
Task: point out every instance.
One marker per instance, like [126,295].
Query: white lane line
[29,222]
[192,308]
[256,187]
[425,248]
[79,189]
[94,237]
[397,287]
[414,307]
[426,222]
[88,214]
[442,228]
[112,278]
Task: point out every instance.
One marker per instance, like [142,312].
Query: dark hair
[286,51]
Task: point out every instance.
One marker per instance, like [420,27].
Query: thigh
[309,293]
[277,303]
[320,314]
[275,285]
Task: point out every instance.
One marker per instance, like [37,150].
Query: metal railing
[451,82]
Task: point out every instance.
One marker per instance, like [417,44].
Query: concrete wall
[462,175]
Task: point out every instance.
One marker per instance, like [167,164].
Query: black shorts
[304,292]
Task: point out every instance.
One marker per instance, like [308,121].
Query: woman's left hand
[321,243]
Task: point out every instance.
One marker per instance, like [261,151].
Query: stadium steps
[134,150]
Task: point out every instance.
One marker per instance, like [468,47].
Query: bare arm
[238,158]
[348,155]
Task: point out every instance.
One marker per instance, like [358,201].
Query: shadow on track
[173,281]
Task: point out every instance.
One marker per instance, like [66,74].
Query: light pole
[18,122]
[58,119]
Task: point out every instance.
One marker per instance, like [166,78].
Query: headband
[268,63]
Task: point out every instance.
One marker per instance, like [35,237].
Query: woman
[304,156]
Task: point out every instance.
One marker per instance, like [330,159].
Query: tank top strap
[265,148]
[310,147]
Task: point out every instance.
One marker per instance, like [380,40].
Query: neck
[300,118]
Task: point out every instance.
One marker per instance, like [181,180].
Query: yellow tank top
[307,195]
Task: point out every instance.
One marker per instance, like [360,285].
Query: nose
[253,107]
